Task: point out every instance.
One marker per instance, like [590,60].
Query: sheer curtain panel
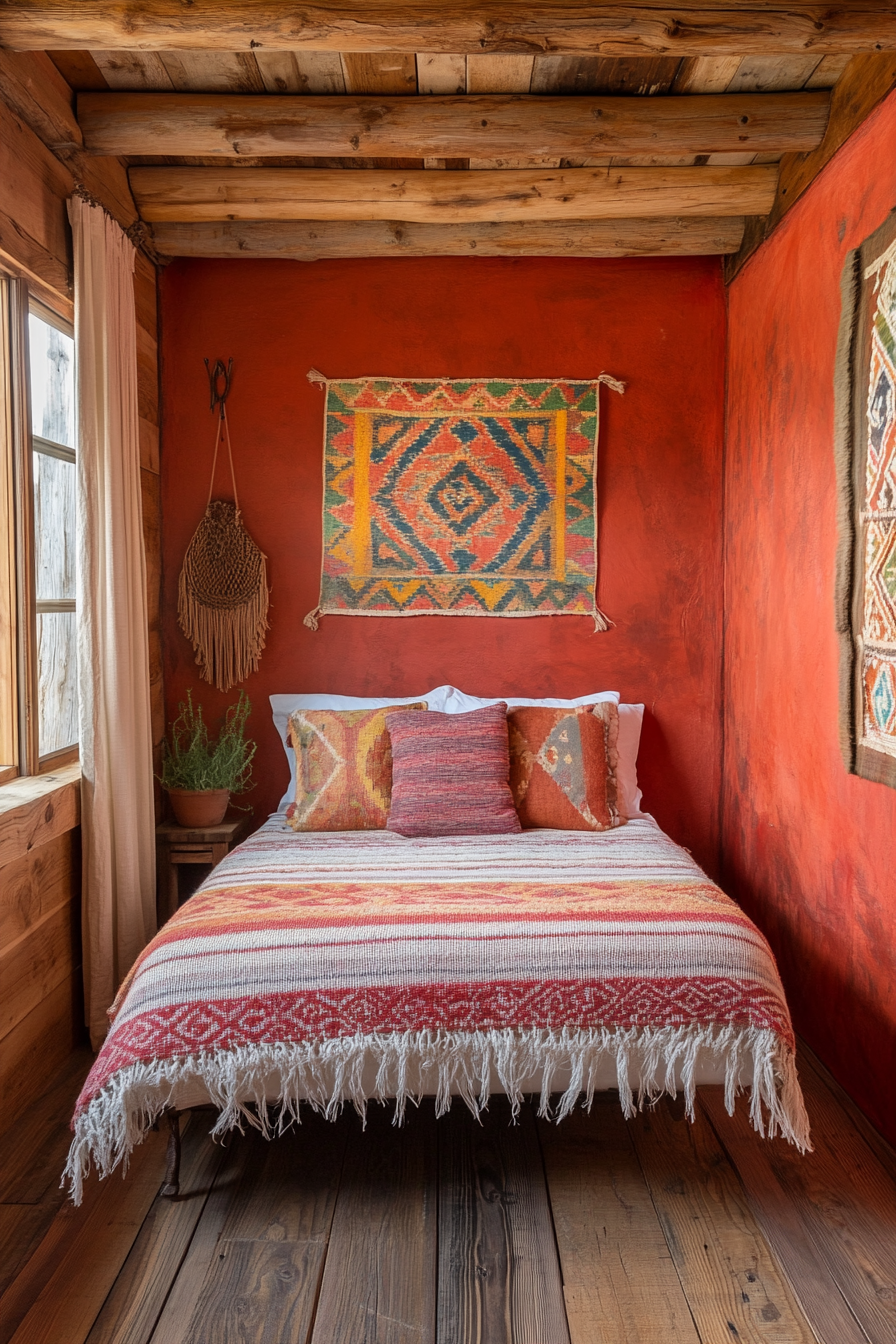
[117,820]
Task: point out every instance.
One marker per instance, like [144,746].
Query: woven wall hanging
[222,594]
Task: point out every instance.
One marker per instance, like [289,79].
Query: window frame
[19,705]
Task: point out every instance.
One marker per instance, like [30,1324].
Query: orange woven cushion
[563,767]
[343,768]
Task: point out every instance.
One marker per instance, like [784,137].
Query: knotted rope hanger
[222,595]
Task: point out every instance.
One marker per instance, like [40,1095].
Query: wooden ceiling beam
[492,126]
[608,28]
[210,194]
[672,237]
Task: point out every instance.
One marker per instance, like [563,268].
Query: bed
[332,968]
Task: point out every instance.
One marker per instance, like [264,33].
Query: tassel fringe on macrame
[325,1075]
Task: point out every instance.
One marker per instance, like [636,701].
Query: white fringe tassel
[326,1074]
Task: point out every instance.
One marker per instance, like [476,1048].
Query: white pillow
[449,700]
[630,719]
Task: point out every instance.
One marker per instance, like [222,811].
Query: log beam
[209,194]
[472,126]
[681,237]
[636,28]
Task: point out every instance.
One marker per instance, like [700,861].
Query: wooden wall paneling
[48,1034]
[438,73]
[591,238]
[32,86]
[379,73]
[499,74]
[37,883]
[38,962]
[242,127]
[569,75]
[646,28]
[619,1281]
[35,812]
[380,1273]
[34,186]
[209,194]
[498,1274]
[712,1234]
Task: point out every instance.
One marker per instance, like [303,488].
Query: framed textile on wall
[472,497]
[866,460]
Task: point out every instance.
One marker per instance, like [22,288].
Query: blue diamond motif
[883,698]
[461,498]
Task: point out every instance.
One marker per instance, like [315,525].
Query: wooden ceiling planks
[632,28]
[766,59]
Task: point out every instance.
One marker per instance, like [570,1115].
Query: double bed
[334,968]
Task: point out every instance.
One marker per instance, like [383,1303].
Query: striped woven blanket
[334,967]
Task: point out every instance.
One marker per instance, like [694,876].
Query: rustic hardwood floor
[597,1231]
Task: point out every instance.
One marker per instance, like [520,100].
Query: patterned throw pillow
[343,768]
[450,774]
[563,767]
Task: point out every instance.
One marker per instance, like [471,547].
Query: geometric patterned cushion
[343,768]
[450,774]
[563,767]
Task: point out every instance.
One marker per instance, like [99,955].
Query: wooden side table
[189,844]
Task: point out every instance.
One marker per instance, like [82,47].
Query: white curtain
[117,821]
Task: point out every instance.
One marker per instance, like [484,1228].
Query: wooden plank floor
[596,1231]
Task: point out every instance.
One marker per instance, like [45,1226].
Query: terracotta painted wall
[658,324]
[810,851]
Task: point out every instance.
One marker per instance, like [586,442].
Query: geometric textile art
[343,768]
[460,498]
[563,767]
[871,663]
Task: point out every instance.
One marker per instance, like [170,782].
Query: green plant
[193,759]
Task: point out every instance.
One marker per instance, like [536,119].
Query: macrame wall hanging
[222,595]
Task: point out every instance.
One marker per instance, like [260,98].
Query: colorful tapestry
[463,498]
[332,968]
[867,578]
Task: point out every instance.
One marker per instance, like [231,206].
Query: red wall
[658,324]
[808,849]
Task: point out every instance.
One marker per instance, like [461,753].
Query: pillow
[628,794]
[449,774]
[563,767]
[343,769]
[282,706]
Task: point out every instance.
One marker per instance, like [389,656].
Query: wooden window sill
[36,808]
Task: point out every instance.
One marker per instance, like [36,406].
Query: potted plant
[200,772]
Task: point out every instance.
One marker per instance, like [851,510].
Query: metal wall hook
[218,397]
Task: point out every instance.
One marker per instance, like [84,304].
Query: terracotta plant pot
[199,807]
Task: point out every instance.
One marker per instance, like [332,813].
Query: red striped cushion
[450,773]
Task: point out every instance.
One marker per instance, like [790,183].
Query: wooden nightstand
[190,844]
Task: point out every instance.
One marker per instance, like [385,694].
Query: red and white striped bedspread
[332,967]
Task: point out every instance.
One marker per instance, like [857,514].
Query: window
[38,502]
[866,421]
